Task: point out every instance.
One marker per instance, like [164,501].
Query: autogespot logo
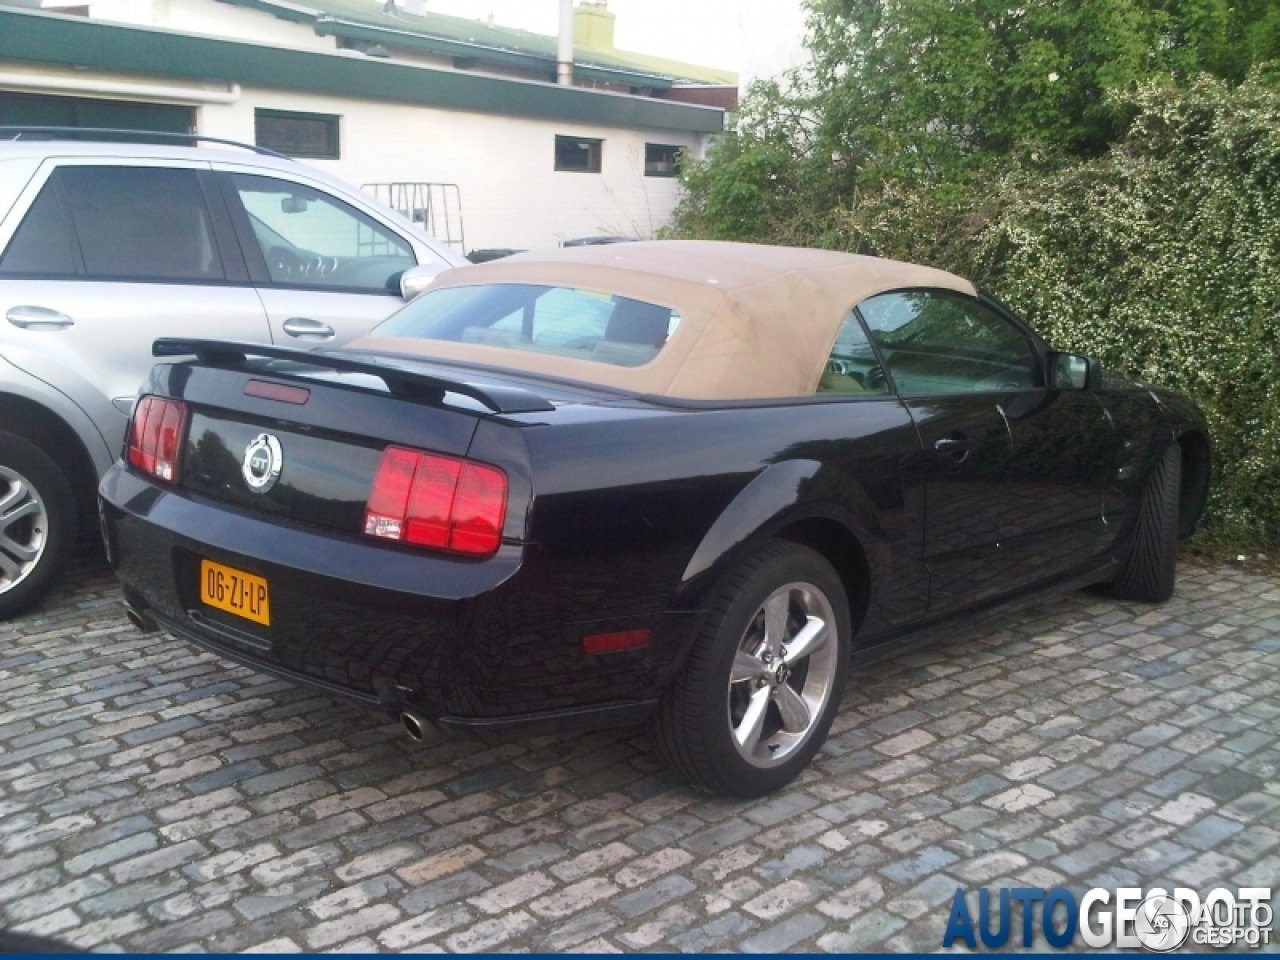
[1154,919]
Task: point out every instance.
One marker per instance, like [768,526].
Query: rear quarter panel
[638,511]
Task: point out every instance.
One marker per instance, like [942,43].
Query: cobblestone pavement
[154,797]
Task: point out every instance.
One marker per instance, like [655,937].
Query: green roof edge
[75,41]
[326,25]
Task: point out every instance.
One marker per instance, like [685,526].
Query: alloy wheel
[24,528]
[783,674]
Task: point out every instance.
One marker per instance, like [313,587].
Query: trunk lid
[327,423]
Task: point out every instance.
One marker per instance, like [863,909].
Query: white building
[383,95]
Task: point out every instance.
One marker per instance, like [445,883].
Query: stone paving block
[573,898]
[577,930]
[655,895]
[870,928]
[783,936]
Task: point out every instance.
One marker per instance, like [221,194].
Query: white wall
[511,194]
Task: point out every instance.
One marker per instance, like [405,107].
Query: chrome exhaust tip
[141,620]
[418,727]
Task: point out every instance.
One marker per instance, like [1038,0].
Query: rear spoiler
[402,382]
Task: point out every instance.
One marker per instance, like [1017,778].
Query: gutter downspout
[117,88]
[564,56]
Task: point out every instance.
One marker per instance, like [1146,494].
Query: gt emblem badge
[263,460]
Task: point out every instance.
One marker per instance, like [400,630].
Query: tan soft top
[756,321]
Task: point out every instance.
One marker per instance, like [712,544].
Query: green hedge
[1161,257]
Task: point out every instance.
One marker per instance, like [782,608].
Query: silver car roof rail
[55,133]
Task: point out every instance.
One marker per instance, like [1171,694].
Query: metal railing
[436,206]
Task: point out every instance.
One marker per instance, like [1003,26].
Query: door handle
[306,328]
[955,446]
[38,318]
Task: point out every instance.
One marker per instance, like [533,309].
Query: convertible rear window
[563,321]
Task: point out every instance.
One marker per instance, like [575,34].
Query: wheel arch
[804,502]
[840,547]
[42,427]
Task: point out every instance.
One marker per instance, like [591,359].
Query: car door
[326,271]
[1014,473]
[1065,448]
[101,257]
[954,395]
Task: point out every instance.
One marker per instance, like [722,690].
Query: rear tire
[37,524]
[1149,571]
[779,619]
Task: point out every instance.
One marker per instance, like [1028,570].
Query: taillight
[434,501]
[154,435]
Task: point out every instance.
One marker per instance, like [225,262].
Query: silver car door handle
[38,318]
[308,328]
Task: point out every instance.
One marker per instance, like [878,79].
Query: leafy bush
[1162,256]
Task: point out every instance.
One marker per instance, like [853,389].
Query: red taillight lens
[479,509]
[434,501]
[385,512]
[154,436]
[430,512]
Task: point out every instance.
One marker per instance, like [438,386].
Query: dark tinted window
[140,223]
[661,160]
[577,154]
[297,134]
[936,341]
[37,110]
[43,245]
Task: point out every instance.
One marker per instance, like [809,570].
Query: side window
[937,341]
[852,367]
[43,245]
[139,223]
[311,239]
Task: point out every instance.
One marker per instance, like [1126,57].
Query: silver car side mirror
[415,280]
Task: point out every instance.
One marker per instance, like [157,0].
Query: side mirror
[1071,371]
[415,280]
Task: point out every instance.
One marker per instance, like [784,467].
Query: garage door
[33,110]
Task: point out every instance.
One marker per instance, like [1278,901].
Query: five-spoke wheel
[756,697]
[782,674]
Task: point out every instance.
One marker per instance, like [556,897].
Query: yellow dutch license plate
[236,592]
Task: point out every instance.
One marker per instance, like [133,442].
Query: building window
[297,134]
[661,160]
[578,154]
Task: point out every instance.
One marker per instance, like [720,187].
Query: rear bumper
[517,726]
[490,649]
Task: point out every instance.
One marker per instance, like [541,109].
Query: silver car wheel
[24,528]
[783,674]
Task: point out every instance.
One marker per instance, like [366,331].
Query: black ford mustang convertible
[675,482]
